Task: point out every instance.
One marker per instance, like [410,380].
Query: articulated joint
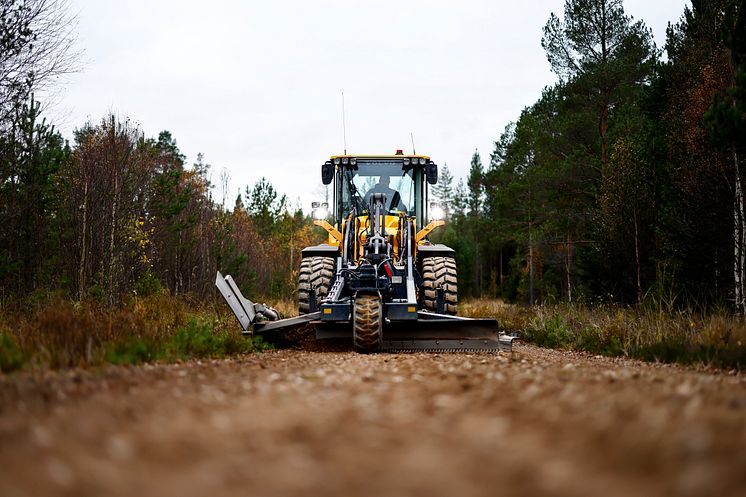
[428,229]
[334,232]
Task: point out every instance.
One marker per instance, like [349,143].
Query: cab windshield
[379,177]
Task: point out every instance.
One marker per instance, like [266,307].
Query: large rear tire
[440,271]
[315,272]
[367,322]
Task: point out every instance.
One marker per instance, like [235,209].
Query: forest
[115,213]
[624,180]
[622,183]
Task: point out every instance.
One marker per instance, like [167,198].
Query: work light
[320,212]
[437,212]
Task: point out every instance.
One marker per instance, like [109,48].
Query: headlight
[406,161]
[423,161]
[337,161]
[437,212]
[345,160]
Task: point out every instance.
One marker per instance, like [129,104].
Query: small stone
[685,389]
[41,436]
[119,448]
[442,400]
[221,422]
[60,473]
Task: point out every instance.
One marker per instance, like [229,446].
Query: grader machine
[378,279]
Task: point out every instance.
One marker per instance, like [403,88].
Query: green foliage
[476,185]
[148,284]
[131,351]
[197,339]
[553,333]
[686,337]
[11,356]
[622,171]
[264,205]
[726,119]
[31,152]
[57,334]
[443,189]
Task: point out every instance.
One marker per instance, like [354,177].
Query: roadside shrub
[197,339]
[11,356]
[148,284]
[158,327]
[652,334]
[134,351]
[553,332]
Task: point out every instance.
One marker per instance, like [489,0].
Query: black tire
[440,271]
[315,272]
[367,323]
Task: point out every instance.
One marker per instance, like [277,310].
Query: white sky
[256,85]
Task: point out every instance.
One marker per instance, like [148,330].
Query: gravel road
[295,423]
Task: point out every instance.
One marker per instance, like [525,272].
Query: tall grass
[51,332]
[649,333]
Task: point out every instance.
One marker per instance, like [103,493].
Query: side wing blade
[241,307]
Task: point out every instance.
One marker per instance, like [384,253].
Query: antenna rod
[344,129]
[411,135]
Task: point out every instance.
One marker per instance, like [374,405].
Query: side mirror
[327,173]
[431,171]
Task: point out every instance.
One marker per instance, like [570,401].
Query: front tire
[440,271]
[367,322]
[315,272]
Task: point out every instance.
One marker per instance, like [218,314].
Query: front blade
[432,333]
[502,343]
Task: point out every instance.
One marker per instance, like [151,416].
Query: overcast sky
[256,86]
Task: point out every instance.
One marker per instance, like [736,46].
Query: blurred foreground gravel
[294,423]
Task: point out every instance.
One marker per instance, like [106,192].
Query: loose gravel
[334,423]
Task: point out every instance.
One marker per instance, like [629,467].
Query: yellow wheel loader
[377,280]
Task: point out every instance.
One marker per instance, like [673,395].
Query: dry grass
[48,331]
[59,333]
[686,336]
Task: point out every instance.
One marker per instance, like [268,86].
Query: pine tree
[475,183]
[597,41]
[443,189]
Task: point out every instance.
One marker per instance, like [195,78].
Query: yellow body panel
[392,232]
[335,237]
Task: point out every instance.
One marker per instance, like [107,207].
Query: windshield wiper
[354,194]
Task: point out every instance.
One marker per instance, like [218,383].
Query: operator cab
[401,179]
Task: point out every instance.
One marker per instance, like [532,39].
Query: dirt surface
[293,423]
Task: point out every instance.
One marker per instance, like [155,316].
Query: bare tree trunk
[500,273]
[568,263]
[530,267]
[739,232]
[477,269]
[179,281]
[83,240]
[112,233]
[637,257]
[603,128]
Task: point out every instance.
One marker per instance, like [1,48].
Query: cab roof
[374,156]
